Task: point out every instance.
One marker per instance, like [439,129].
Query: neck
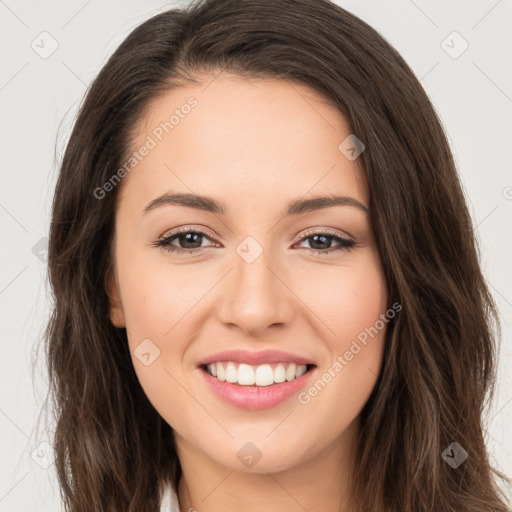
[320,483]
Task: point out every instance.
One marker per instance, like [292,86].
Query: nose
[256,296]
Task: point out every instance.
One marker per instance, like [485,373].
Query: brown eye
[188,240]
[321,242]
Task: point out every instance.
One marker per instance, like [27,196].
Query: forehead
[234,136]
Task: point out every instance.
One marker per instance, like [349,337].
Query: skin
[254,145]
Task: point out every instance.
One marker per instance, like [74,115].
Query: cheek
[160,302]
[364,302]
[155,296]
[352,305]
[155,300]
[346,299]
[348,376]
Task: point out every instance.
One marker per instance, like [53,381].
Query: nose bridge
[256,297]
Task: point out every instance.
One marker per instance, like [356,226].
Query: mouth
[263,375]
[255,380]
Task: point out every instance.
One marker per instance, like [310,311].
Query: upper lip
[255,358]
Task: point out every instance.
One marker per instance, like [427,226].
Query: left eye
[320,240]
[192,241]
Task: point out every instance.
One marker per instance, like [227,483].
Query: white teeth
[291,371]
[231,373]
[261,375]
[301,370]
[264,375]
[221,373]
[245,375]
[279,373]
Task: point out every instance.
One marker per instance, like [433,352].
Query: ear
[116,312]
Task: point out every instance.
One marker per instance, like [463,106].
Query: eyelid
[328,231]
[344,243]
[303,234]
[186,229]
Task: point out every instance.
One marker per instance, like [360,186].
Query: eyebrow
[295,207]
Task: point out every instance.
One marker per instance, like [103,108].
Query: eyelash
[344,243]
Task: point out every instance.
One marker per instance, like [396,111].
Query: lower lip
[256,397]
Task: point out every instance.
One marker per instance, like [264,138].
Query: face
[243,285]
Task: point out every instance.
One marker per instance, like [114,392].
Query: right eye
[185,237]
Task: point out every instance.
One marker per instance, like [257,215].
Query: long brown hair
[113,449]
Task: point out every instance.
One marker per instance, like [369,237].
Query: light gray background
[38,102]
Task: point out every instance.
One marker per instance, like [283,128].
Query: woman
[267,288]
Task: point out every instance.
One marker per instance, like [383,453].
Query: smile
[255,380]
[256,375]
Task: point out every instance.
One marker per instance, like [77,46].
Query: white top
[169,501]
